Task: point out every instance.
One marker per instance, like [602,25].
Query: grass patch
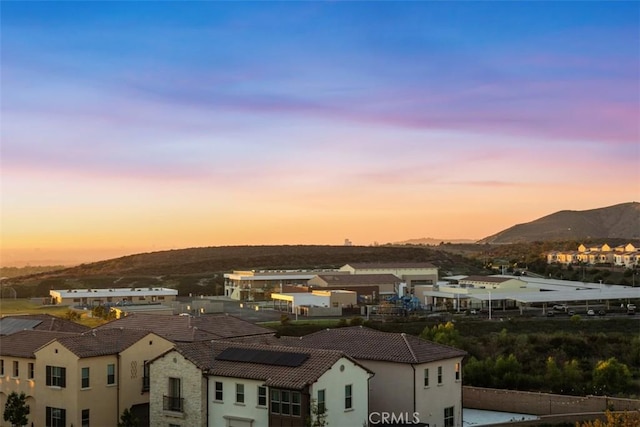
[25,306]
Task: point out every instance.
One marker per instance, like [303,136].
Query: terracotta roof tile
[102,342]
[369,344]
[25,343]
[203,355]
[189,328]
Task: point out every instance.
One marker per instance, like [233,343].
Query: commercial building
[112,296]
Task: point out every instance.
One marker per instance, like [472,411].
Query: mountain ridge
[617,221]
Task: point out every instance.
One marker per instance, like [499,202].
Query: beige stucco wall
[431,401]
[228,407]
[99,398]
[132,368]
[19,384]
[193,384]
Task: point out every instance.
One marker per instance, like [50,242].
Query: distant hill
[430,241]
[618,221]
[208,260]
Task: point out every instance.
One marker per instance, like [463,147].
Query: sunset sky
[140,126]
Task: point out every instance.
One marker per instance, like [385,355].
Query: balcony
[174,404]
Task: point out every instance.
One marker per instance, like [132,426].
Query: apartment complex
[411,375]
[624,255]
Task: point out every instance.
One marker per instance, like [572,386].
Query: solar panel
[9,325]
[265,357]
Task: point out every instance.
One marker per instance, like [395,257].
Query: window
[55,417]
[457,371]
[262,396]
[146,376]
[31,371]
[426,377]
[285,402]
[239,393]
[173,400]
[85,378]
[85,418]
[111,374]
[348,396]
[439,375]
[56,376]
[322,405]
[2,367]
[16,369]
[449,417]
[218,390]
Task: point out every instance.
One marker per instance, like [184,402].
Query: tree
[16,409]
[620,419]
[128,419]
[318,416]
[611,376]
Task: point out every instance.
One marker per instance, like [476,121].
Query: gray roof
[359,279]
[189,328]
[43,322]
[393,265]
[363,343]
[102,342]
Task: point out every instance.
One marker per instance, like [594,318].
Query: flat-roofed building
[112,296]
[411,273]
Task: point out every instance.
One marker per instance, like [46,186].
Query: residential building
[411,375]
[623,255]
[112,296]
[221,383]
[18,366]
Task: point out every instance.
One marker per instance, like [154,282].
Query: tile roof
[189,328]
[25,343]
[203,354]
[400,265]
[357,279]
[41,322]
[102,342]
[363,343]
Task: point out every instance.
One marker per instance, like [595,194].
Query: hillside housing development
[602,254]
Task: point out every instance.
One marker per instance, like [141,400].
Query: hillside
[211,260]
[618,221]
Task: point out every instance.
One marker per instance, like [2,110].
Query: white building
[115,296]
[222,383]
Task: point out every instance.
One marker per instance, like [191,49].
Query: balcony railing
[171,403]
[145,383]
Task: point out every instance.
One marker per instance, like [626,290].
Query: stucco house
[236,384]
[91,378]
[412,376]
[18,366]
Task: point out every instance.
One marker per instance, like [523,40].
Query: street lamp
[489,305]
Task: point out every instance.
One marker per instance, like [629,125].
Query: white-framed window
[262,395]
[111,374]
[219,391]
[439,375]
[449,417]
[85,378]
[426,377]
[240,393]
[348,396]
